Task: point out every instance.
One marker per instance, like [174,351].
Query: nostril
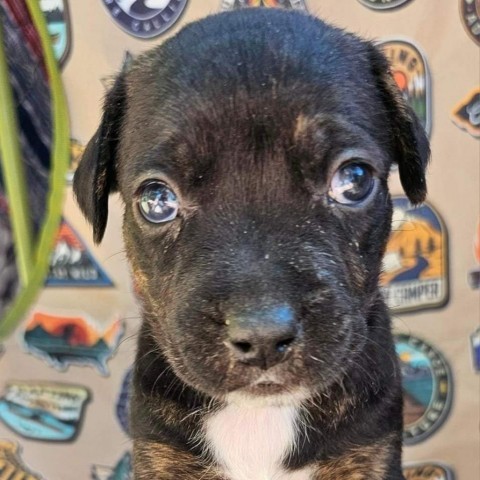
[282,345]
[243,347]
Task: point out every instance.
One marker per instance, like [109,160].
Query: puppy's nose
[262,338]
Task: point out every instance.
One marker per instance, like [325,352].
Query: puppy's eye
[351,184]
[157,202]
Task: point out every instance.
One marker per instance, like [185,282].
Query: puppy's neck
[250,440]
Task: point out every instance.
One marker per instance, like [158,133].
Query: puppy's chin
[268,395]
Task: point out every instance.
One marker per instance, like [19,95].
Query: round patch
[410,70]
[427,388]
[145,18]
[290,4]
[415,264]
[470,11]
[383,4]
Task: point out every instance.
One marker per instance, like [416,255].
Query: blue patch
[67,340]
[43,411]
[58,25]
[122,470]
[71,263]
[475,343]
[427,388]
[123,401]
[145,20]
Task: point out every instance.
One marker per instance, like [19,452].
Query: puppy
[252,153]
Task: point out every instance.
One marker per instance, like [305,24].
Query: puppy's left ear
[96,176]
[412,149]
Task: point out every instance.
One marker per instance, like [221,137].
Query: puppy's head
[252,153]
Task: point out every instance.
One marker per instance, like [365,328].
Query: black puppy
[252,152]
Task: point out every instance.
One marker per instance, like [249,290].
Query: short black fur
[247,116]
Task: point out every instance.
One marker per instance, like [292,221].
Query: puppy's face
[252,152]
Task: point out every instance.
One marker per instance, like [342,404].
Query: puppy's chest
[249,443]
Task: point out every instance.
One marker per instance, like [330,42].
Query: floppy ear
[412,149]
[95,177]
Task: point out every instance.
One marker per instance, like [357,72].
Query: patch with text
[427,388]
[410,71]
[145,18]
[415,264]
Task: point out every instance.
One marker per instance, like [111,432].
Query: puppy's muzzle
[263,337]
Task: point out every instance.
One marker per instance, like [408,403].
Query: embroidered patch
[58,24]
[427,388]
[415,265]
[43,411]
[383,4]
[474,274]
[427,471]
[121,471]
[76,152]
[290,4]
[66,340]
[470,12]
[72,264]
[145,18]
[475,344]
[466,114]
[123,401]
[410,70]
[11,465]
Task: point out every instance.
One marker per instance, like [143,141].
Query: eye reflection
[351,184]
[157,202]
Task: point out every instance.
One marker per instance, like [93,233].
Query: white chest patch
[250,442]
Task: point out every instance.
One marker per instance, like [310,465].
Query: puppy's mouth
[265,388]
[271,388]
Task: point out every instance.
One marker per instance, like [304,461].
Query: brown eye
[157,202]
[351,184]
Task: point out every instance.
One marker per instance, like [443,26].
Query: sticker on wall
[11,465]
[475,344]
[466,114]
[145,18]
[122,405]
[474,274]
[383,4]
[76,152]
[72,264]
[44,411]
[410,70]
[58,24]
[66,340]
[290,4]
[427,388]
[415,265]
[428,471]
[470,11]
[121,471]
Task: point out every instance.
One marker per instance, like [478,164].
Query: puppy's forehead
[247,88]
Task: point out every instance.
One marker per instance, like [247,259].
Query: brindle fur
[245,114]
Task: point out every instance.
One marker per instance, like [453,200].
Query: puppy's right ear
[96,177]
